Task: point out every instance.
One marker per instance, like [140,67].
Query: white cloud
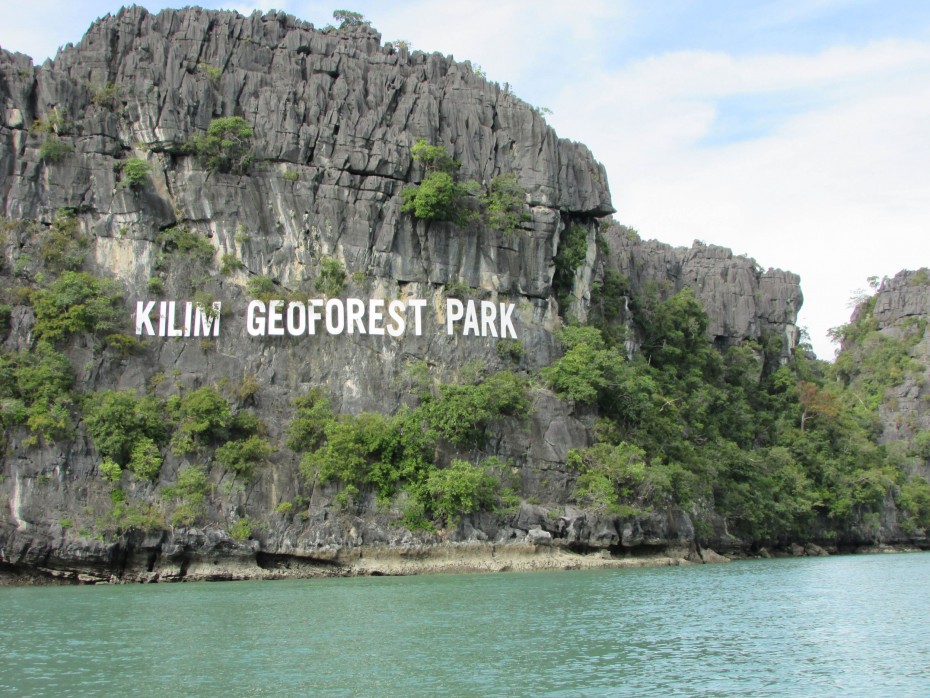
[835,191]
[514,41]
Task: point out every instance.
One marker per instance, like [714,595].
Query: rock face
[902,308]
[334,115]
[741,300]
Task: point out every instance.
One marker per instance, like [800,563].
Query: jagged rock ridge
[334,115]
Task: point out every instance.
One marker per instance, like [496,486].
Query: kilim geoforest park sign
[317,316]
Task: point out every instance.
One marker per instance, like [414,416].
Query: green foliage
[77,302]
[914,501]
[190,494]
[434,158]
[438,197]
[284,508]
[290,175]
[461,413]
[202,417]
[510,349]
[155,286]
[54,149]
[106,96]
[674,331]
[213,73]
[244,455]
[135,173]
[572,251]
[120,422]
[618,479]
[125,517]
[62,245]
[608,304]
[55,122]
[35,391]
[386,454]
[460,489]
[351,446]
[184,241]
[263,288]
[921,277]
[230,264]
[145,459]
[227,145]
[505,202]
[308,428]
[242,529]
[589,370]
[775,449]
[110,470]
[347,18]
[331,281]
[434,200]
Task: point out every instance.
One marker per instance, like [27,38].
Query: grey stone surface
[902,307]
[742,300]
[334,115]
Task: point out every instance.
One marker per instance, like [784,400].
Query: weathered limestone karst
[901,304]
[742,300]
[334,115]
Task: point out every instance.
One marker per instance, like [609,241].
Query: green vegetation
[505,202]
[106,96]
[347,18]
[125,517]
[263,288]
[125,427]
[331,281]
[213,73]
[242,456]
[572,251]
[202,417]
[230,264]
[388,454]
[439,197]
[77,302]
[62,244]
[135,173]
[460,489]
[189,495]
[243,528]
[773,448]
[227,145]
[436,199]
[185,242]
[510,349]
[54,149]
[35,391]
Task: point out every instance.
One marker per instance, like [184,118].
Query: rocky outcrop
[334,115]
[742,300]
[902,311]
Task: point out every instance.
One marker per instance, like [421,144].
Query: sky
[796,132]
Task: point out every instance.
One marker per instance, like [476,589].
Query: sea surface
[839,626]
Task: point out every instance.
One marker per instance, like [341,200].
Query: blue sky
[797,132]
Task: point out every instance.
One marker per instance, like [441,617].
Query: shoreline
[373,561]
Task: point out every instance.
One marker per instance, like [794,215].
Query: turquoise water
[857,625]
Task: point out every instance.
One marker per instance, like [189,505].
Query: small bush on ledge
[227,145]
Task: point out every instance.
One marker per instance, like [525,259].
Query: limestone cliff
[334,115]
[900,311]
